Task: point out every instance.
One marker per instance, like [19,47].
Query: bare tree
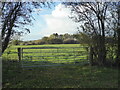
[92,17]
[16,15]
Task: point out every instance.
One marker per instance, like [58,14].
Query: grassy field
[74,76]
[49,54]
[64,76]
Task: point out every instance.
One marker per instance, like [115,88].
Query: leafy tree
[55,35]
[94,17]
[114,23]
[55,41]
[16,15]
[16,42]
[115,11]
[70,41]
[83,38]
[66,36]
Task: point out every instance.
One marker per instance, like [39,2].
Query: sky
[48,21]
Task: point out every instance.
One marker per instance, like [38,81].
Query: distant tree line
[55,38]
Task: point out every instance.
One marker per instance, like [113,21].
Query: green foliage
[70,41]
[16,42]
[55,38]
[98,25]
[83,38]
[55,41]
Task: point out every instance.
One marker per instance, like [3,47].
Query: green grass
[68,76]
[65,54]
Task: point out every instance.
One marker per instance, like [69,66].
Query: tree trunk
[100,50]
[91,56]
[102,46]
[11,19]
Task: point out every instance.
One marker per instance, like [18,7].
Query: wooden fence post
[19,54]
[91,56]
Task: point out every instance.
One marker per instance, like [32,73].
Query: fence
[11,54]
[49,56]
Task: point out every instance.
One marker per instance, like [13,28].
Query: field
[49,54]
[66,75]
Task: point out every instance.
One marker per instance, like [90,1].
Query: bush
[55,41]
[15,42]
[70,41]
[42,42]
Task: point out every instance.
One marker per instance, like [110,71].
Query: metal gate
[52,56]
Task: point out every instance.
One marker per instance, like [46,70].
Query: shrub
[70,41]
[55,41]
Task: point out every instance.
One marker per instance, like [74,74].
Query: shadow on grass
[51,63]
[67,76]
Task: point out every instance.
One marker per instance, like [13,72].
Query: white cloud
[60,11]
[59,22]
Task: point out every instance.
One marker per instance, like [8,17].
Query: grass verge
[73,76]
